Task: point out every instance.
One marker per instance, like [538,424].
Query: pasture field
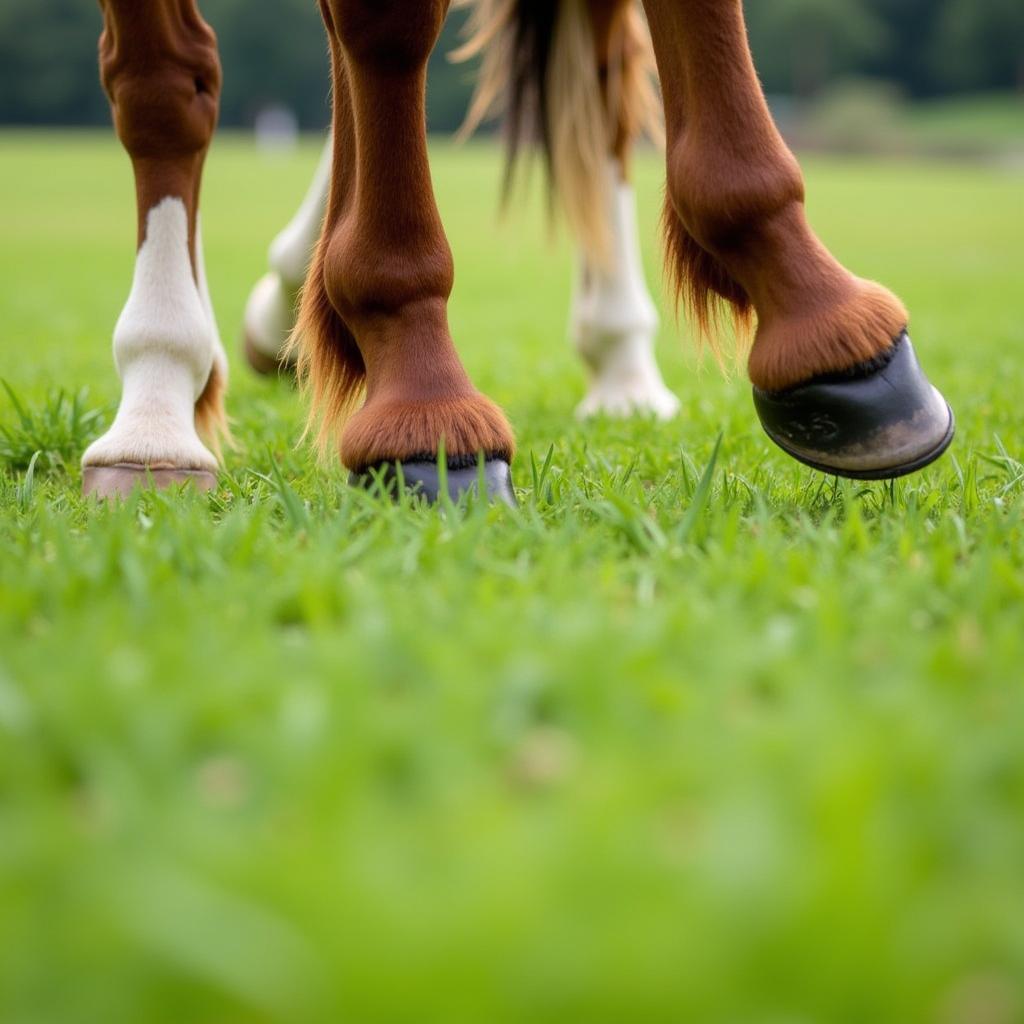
[684,739]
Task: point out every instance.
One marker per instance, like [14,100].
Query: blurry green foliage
[803,43]
[980,42]
[275,53]
[272,53]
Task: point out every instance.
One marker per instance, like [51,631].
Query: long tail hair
[539,73]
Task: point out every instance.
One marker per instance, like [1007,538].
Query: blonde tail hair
[539,72]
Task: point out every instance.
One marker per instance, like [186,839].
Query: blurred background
[943,77]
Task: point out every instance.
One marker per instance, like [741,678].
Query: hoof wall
[421,477]
[886,422]
[122,479]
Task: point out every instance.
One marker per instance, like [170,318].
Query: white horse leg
[160,69]
[271,310]
[165,347]
[613,322]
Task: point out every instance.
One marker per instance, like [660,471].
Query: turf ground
[683,740]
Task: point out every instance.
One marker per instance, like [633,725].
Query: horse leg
[575,77]
[836,383]
[271,310]
[160,69]
[374,308]
[613,322]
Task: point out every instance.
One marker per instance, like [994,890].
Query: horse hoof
[264,365]
[421,477]
[120,480]
[875,423]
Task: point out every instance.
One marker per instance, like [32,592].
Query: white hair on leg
[613,322]
[271,311]
[164,347]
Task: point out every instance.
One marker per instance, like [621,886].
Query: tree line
[274,52]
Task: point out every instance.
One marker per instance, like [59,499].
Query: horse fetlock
[860,322]
[600,319]
[393,428]
[398,278]
[624,376]
[724,197]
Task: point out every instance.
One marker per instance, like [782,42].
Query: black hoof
[876,422]
[422,477]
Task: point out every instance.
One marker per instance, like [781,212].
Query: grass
[695,735]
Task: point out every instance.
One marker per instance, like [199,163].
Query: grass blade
[700,495]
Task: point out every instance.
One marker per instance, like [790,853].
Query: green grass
[644,750]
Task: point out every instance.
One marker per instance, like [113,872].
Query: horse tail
[540,73]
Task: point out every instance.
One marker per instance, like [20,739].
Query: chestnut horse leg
[271,310]
[613,321]
[375,301]
[836,381]
[159,66]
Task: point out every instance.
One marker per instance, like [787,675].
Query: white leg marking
[613,324]
[164,345]
[270,311]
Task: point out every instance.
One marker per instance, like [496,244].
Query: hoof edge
[884,422]
[422,477]
[122,479]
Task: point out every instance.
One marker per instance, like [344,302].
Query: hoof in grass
[876,422]
[122,479]
[422,477]
[264,365]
